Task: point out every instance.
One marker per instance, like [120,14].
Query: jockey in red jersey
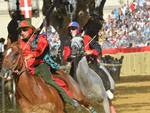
[34,51]
[26,39]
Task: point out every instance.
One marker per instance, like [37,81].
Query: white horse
[92,85]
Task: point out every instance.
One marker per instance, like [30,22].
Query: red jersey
[27,50]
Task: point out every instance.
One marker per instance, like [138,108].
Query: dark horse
[32,93]
[60,12]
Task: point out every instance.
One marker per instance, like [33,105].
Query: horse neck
[20,65]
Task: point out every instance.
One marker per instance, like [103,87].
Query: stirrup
[92,110]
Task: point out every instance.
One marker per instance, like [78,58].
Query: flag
[26,8]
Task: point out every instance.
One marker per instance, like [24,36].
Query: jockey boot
[42,70]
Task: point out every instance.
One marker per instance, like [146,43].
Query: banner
[125,50]
[26,8]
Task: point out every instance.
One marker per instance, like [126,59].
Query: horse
[32,93]
[91,84]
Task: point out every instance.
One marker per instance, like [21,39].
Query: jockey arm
[91,47]
[41,46]
[67,52]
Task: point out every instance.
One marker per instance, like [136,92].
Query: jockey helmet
[74,24]
[25,24]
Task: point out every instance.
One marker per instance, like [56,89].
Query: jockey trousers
[43,71]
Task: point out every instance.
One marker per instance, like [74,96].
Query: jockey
[73,46]
[78,46]
[26,38]
[34,48]
[84,45]
[35,53]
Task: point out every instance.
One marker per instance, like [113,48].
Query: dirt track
[133,95]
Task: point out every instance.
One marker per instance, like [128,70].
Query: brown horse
[32,93]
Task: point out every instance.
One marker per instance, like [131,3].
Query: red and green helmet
[25,24]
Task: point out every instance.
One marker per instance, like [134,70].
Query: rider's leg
[43,71]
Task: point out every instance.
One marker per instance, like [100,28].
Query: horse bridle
[16,68]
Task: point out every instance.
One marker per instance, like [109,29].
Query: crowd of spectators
[127,26]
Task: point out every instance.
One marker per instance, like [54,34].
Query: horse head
[56,14]
[12,61]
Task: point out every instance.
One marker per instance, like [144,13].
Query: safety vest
[26,8]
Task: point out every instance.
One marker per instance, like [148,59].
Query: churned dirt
[132,94]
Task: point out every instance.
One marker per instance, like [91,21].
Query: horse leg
[106,101]
[106,105]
